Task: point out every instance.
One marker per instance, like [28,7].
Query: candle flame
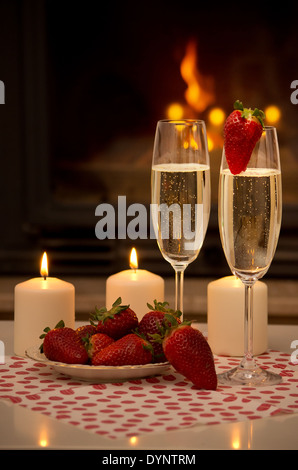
[44,266]
[133,262]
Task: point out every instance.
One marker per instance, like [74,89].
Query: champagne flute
[180,194]
[250,209]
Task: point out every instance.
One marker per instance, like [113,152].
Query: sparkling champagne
[181,196]
[249,219]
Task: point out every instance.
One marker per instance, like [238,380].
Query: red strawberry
[156,322]
[131,349]
[243,128]
[96,343]
[85,331]
[116,322]
[62,344]
[189,353]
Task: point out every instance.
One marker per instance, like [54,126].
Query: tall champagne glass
[250,208]
[180,194]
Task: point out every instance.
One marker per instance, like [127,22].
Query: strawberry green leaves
[248,113]
[103,313]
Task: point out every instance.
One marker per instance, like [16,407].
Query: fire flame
[199,94]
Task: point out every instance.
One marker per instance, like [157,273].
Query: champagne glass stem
[248,372]
[248,360]
[179,285]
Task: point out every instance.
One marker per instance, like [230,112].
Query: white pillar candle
[39,303]
[136,287]
[225,313]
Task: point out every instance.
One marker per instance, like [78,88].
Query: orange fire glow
[199,93]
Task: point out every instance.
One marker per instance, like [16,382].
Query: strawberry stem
[238,105]
[260,115]
[247,113]
[163,307]
[103,314]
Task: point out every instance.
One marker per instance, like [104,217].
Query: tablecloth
[154,404]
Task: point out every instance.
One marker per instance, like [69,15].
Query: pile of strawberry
[115,337]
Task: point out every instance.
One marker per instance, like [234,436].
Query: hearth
[84,89]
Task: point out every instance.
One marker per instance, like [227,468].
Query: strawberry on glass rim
[242,130]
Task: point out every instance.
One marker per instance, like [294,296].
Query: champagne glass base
[249,377]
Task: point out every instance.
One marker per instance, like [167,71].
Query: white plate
[100,373]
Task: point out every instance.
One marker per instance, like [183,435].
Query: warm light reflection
[43,438]
[43,443]
[272,114]
[214,138]
[191,143]
[250,436]
[175,111]
[133,262]
[217,116]
[236,439]
[199,93]
[210,143]
[44,266]
[133,440]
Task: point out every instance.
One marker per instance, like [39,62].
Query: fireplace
[84,89]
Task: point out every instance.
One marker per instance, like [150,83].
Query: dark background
[85,84]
